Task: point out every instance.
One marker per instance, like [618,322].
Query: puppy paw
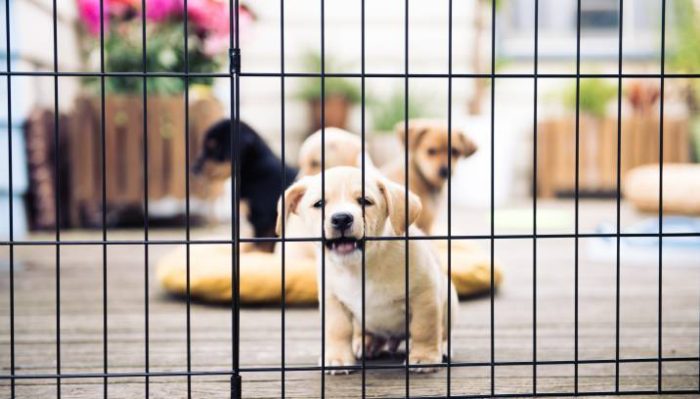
[339,360]
[424,358]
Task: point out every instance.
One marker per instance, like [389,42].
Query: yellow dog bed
[261,277]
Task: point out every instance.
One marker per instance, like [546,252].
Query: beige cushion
[681,184]
[261,278]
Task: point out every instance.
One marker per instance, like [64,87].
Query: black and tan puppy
[260,170]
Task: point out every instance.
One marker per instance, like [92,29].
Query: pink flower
[161,10]
[122,7]
[89,11]
[209,15]
[213,18]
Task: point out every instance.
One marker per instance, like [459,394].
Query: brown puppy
[428,165]
[345,226]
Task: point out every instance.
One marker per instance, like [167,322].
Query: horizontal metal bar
[318,239]
[469,75]
[394,366]
[184,75]
[571,394]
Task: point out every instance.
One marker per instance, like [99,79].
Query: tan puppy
[342,148]
[428,165]
[344,228]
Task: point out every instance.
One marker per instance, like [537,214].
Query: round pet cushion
[681,183]
[261,277]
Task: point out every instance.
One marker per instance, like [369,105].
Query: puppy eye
[319,204]
[432,151]
[365,201]
[315,164]
[455,152]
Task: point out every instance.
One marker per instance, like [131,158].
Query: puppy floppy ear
[416,131]
[395,197]
[467,147]
[292,197]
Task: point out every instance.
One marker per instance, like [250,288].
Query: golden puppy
[342,148]
[428,165]
[345,228]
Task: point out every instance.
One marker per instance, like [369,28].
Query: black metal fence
[234,75]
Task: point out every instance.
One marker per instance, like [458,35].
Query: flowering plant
[208,36]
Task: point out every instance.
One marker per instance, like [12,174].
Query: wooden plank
[81,328]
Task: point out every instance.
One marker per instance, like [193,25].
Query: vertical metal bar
[146,310]
[576,189]
[283,171]
[618,201]
[234,217]
[323,198]
[11,217]
[237,140]
[493,203]
[104,199]
[534,203]
[282,211]
[187,200]
[105,352]
[363,166]
[234,83]
[57,180]
[448,390]
[661,194]
[406,188]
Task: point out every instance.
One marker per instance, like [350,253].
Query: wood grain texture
[82,335]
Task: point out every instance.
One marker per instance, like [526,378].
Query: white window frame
[557,31]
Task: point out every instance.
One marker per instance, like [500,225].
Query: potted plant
[118,24]
[340,94]
[386,114]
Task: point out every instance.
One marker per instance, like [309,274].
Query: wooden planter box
[556,152]
[124,150]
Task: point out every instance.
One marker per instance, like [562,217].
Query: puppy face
[214,159]
[344,226]
[428,146]
[342,148]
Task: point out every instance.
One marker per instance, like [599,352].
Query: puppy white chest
[384,303]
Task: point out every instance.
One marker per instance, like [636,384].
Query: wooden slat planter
[556,152]
[124,150]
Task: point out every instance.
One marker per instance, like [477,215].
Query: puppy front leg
[338,336]
[425,329]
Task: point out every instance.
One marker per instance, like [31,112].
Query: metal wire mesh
[234,75]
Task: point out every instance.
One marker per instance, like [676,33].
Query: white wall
[384,53]
[34,42]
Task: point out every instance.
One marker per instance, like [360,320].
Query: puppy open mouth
[344,245]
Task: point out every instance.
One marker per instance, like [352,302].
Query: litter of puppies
[356,219]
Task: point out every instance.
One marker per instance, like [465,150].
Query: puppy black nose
[341,221]
[444,172]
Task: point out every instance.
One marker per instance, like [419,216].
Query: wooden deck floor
[81,326]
